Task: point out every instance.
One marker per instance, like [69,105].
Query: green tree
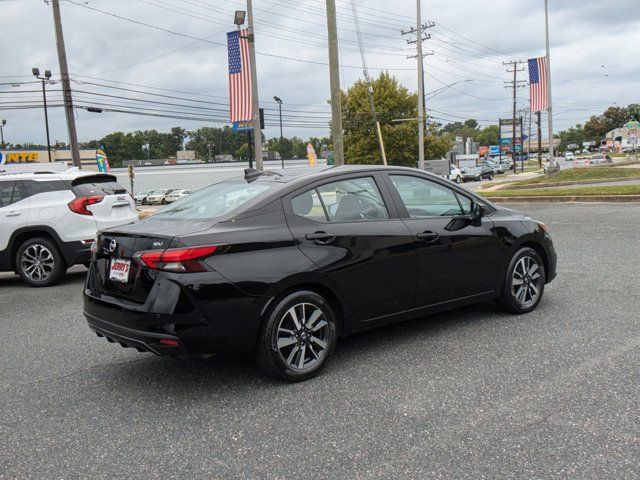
[393,101]
[488,135]
[572,135]
[597,126]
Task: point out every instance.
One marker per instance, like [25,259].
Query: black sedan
[283,265]
[475,174]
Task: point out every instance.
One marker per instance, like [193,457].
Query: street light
[279,102]
[239,16]
[46,79]
[2,124]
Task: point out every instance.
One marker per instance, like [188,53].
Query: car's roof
[46,175]
[304,175]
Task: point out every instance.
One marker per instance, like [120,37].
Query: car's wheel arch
[317,283]
[21,235]
[529,241]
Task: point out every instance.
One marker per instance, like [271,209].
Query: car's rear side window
[6,192]
[34,187]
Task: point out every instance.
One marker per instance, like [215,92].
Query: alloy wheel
[37,262]
[303,336]
[525,282]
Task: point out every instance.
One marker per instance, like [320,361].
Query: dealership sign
[19,157]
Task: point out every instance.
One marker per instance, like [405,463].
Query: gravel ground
[472,393]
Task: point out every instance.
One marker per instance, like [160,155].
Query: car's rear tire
[39,262]
[524,282]
[297,337]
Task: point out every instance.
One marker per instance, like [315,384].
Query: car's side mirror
[477,211]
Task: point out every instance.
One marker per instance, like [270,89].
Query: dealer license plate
[119,271]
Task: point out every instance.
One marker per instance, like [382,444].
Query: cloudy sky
[168,58]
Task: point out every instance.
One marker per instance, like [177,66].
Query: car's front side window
[355,199]
[423,198]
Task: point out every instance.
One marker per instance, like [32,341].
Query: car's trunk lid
[117,248]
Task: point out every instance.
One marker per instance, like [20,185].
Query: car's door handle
[13,214]
[321,238]
[428,237]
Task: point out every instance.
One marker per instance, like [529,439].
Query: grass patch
[562,192]
[584,174]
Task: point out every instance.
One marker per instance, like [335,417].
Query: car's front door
[455,258]
[351,231]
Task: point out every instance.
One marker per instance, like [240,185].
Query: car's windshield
[214,201]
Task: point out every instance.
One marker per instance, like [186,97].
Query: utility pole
[66,85]
[257,132]
[418,30]
[515,83]
[367,78]
[549,106]
[2,124]
[45,79]
[539,115]
[334,80]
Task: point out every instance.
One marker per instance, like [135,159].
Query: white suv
[48,221]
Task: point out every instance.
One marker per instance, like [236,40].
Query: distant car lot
[470,393]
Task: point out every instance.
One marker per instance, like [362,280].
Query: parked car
[49,220]
[158,197]
[569,156]
[141,197]
[281,265]
[600,159]
[176,195]
[582,161]
[495,166]
[455,174]
[476,174]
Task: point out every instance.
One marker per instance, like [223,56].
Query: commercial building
[33,160]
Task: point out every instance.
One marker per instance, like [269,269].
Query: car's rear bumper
[202,318]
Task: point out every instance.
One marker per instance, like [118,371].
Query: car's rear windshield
[96,185]
[214,201]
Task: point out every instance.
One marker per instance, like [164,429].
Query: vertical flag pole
[549,108]
[257,133]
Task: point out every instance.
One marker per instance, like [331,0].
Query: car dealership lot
[463,394]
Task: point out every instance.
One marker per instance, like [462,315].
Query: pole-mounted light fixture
[277,99]
[239,17]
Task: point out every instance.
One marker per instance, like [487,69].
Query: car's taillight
[80,204]
[187,259]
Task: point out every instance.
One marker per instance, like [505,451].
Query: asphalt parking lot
[472,393]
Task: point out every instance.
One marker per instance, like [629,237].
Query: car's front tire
[458,179]
[524,282]
[297,338]
[39,262]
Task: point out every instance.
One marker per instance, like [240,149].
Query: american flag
[538,83]
[240,102]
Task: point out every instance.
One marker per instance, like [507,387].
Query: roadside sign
[494,150]
[438,167]
[243,126]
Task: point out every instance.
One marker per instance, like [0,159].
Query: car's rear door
[455,259]
[349,228]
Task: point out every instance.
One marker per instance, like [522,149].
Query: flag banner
[240,101]
[102,160]
[538,83]
[311,155]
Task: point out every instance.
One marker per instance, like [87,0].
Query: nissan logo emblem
[112,246]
